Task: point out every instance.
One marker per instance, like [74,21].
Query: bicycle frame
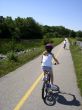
[47,92]
[46,83]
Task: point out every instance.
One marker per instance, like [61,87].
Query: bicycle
[47,91]
[64,46]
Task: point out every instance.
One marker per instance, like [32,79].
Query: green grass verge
[77,59]
[57,41]
[6,45]
[7,66]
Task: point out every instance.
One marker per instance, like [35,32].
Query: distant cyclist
[65,42]
[47,60]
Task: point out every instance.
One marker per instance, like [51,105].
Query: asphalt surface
[17,83]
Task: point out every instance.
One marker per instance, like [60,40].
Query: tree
[79,34]
[29,28]
[6,27]
[72,33]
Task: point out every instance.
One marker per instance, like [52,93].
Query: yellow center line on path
[27,94]
[29,91]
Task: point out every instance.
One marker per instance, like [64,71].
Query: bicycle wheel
[50,100]
[64,46]
[44,91]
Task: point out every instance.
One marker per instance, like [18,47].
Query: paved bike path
[14,85]
[65,78]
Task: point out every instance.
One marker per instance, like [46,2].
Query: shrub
[12,56]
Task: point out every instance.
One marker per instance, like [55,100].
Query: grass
[57,41]
[77,59]
[7,66]
[18,45]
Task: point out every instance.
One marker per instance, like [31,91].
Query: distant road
[21,89]
[79,43]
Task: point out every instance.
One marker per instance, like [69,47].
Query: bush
[46,40]
[79,38]
[12,57]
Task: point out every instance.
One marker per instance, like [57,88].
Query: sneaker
[48,85]
[53,87]
[44,79]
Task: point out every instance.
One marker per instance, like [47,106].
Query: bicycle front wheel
[44,91]
[50,100]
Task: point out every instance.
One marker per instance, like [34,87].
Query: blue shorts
[46,68]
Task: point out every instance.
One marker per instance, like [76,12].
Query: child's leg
[51,75]
[45,72]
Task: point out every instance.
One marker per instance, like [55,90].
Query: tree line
[28,28]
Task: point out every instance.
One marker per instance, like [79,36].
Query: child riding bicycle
[46,62]
[64,44]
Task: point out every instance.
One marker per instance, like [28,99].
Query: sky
[67,13]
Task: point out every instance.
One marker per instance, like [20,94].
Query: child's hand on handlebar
[56,63]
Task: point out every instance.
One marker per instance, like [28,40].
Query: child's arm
[42,55]
[55,59]
[41,58]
